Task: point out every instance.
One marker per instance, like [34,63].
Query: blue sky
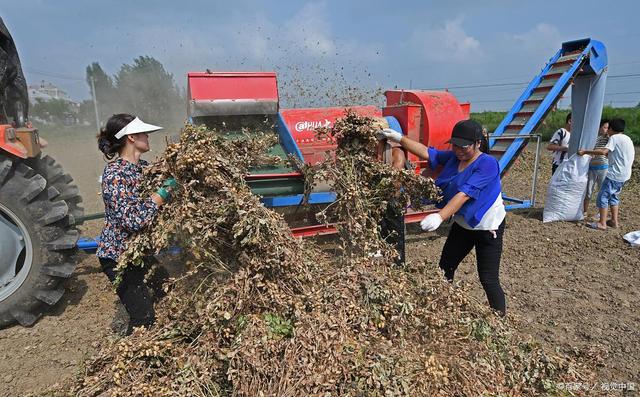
[367,44]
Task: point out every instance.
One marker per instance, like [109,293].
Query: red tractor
[38,205]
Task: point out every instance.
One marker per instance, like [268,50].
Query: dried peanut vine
[264,314]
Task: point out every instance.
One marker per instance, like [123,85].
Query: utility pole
[95,103]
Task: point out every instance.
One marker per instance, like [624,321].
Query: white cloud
[305,46]
[260,40]
[310,30]
[448,43]
[542,39]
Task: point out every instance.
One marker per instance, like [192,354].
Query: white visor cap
[136,126]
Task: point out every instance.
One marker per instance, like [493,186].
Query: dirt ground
[570,287]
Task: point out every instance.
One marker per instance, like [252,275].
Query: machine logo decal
[311,125]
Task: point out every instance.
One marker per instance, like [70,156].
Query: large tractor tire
[38,208]
[56,177]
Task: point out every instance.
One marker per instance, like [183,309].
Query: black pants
[392,229]
[554,167]
[488,252]
[133,293]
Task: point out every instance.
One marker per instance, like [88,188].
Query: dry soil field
[570,287]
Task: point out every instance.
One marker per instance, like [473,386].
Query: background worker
[597,166]
[559,144]
[126,138]
[472,195]
[620,153]
[392,227]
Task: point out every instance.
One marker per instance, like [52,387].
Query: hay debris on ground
[264,314]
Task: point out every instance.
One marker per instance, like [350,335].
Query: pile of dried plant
[263,314]
[364,186]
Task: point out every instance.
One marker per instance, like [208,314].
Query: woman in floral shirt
[126,138]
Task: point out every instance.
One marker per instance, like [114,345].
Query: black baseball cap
[466,132]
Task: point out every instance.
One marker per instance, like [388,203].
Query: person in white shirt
[620,152]
[559,144]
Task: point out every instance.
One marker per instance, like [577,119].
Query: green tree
[147,90]
[105,90]
[86,112]
[52,110]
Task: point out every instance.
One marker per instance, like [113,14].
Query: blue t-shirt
[480,181]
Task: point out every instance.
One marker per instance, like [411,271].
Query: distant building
[46,91]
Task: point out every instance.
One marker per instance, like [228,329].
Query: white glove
[431,222]
[389,134]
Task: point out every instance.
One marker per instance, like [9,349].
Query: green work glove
[167,185]
[170,183]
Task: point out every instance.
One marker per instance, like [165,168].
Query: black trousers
[488,253]
[133,293]
[554,167]
[392,229]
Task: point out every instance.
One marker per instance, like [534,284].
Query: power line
[606,94]
[493,101]
[618,76]
[54,75]
[485,85]
[450,87]
[514,85]
[459,87]
[625,101]
[623,93]
[621,76]
[623,63]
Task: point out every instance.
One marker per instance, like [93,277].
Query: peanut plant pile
[263,314]
[363,186]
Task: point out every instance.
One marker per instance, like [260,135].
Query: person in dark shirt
[122,141]
[559,144]
[392,227]
[472,196]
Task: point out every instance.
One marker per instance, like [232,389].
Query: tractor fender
[9,142]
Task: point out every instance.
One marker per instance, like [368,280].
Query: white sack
[633,238]
[566,189]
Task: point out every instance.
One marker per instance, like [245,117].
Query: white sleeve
[611,145]
[555,138]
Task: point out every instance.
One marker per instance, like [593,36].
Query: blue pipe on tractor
[91,245]
[87,244]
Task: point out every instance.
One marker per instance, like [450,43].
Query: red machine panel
[303,122]
[410,118]
[232,85]
[440,112]
[232,93]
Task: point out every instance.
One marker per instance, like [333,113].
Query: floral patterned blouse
[125,211]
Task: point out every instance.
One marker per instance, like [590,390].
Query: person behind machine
[559,144]
[392,227]
[123,141]
[472,195]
